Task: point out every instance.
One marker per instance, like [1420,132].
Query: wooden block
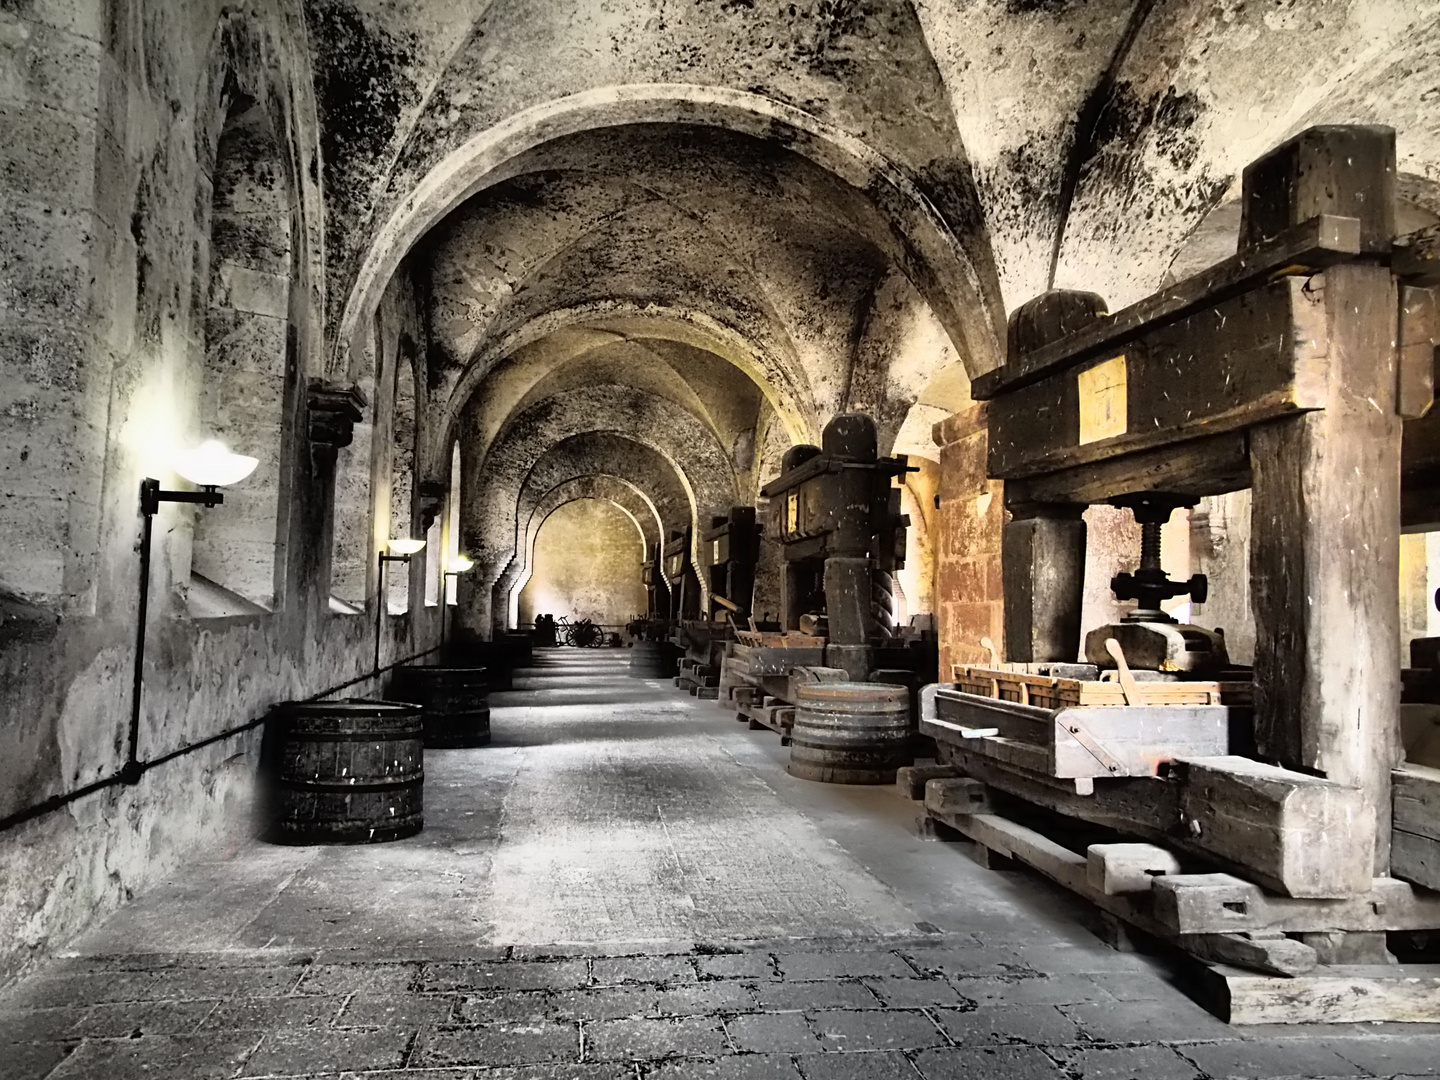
[910,780]
[1223,903]
[1275,954]
[1348,947]
[1295,833]
[960,795]
[1309,246]
[1420,734]
[1416,838]
[1116,869]
[1254,367]
[1348,995]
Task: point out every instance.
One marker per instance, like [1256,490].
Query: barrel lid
[851,691]
[351,707]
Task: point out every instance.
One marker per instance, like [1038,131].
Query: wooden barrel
[850,733]
[352,772]
[456,712]
[653,660]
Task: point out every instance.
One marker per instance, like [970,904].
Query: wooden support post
[1325,508]
[1325,557]
[1042,556]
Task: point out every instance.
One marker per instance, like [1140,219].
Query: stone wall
[587,565]
[968,599]
[112,128]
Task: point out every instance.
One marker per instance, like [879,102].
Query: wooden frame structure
[1289,369]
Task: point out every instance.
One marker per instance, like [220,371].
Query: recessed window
[247,352]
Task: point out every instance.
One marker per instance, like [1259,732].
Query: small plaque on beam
[1103,404]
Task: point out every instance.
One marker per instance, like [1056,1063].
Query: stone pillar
[969,603]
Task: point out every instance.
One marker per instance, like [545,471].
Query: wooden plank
[1138,739]
[1223,903]
[1299,834]
[1135,740]
[910,780]
[1327,995]
[948,796]
[1208,465]
[1274,954]
[1417,800]
[1312,245]
[1251,359]
[1416,858]
[1324,560]
[1418,337]
[1116,869]
[1416,837]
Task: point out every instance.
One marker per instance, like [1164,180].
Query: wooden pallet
[1243,945]
[777,715]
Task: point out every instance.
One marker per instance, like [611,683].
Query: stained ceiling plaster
[835,203]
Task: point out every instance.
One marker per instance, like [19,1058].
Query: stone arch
[638,466]
[795,410]
[915,236]
[613,489]
[493,486]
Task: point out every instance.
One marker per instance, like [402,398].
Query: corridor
[627,883]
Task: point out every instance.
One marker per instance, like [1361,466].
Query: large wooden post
[1042,554]
[1325,514]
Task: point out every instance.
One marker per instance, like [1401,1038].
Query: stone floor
[627,883]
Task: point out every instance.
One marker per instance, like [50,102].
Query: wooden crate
[1046,692]
[779,640]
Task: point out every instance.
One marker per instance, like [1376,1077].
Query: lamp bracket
[152,495]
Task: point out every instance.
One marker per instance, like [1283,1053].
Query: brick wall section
[968,600]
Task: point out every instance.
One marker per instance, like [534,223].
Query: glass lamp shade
[211,465]
[405,547]
[460,564]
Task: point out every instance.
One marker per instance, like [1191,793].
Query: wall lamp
[209,466]
[394,551]
[458,565]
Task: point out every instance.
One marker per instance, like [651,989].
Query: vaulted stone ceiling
[724,222]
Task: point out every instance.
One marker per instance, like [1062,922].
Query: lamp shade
[459,564]
[211,465]
[405,547]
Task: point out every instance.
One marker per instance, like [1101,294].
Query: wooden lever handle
[1128,685]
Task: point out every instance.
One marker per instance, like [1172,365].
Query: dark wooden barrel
[654,660]
[456,712]
[352,772]
[850,733]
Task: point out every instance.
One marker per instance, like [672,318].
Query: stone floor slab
[880,1065]
[987,1063]
[1037,1025]
[497,1044]
[879,1029]
[298,1053]
[648,1040]
[735,1067]
[1128,1063]
[769,1033]
[1271,1060]
[800,996]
